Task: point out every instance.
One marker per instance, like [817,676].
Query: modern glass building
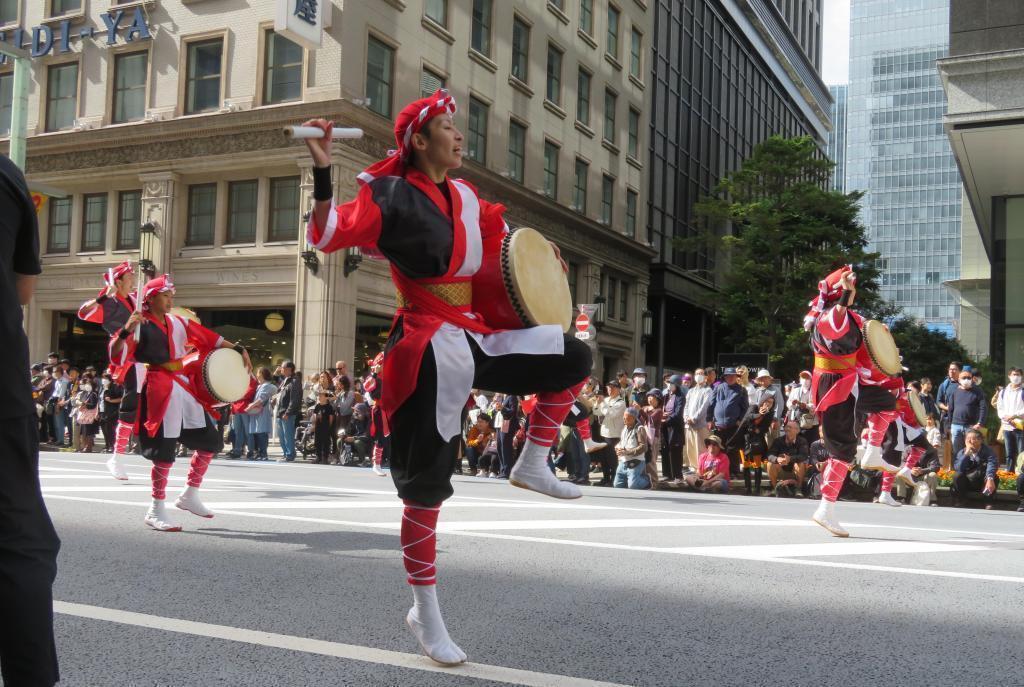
[897,152]
[836,149]
[726,75]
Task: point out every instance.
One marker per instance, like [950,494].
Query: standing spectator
[932,433]
[111,395]
[288,409]
[931,407]
[479,436]
[946,388]
[712,468]
[754,428]
[800,408]
[323,417]
[345,400]
[743,379]
[340,372]
[672,437]
[652,417]
[728,405]
[1010,408]
[630,451]
[59,398]
[506,433]
[86,415]
[260,415]
[787,462]
[975,467]
[687,383]
[42,392]
[712,375]
[764,387]
[28,542]
[967,410]
[639,395]
[694,423]
[74,377]
[610,410]
[625,385]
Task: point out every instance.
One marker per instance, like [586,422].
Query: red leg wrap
[583,427]
[378,454]
[914,456]
[419,542]
[200,461]
[548,414]
[159,476]
[878,423]
[887,481]
[124,433]
[832,479]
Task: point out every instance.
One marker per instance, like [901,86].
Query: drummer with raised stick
[170,412]
[436,232]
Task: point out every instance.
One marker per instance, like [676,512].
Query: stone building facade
[170,112]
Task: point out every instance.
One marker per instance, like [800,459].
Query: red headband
[159,285]
[410,120]
[829,290]
[115,273]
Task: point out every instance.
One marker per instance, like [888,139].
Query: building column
[159,192]
[325,302]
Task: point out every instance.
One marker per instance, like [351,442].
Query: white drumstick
[316,132]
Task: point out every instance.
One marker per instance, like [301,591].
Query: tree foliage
[789,229]
[926,353]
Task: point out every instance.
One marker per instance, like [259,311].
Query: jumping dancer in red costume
[434,231]
[111,310]
[845,384]
[169,412]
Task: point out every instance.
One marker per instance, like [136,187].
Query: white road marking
[351,652]
[118,488]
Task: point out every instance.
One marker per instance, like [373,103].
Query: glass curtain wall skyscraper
[898,152]
[836,149]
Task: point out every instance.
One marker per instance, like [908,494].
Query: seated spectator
[931,407]
[975,467]
[817,456]
[479,436]
[357,435]
[490,466]
[787,459]
[927,469]
[712,468]
[631,450]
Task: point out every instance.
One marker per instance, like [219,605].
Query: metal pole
[661,338]
[19,112]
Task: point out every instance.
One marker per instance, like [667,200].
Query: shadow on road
[344,543]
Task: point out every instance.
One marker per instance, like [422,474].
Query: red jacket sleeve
[832,325]
[355,223]
[201,337]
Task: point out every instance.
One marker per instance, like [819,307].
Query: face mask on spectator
[86,387]
[639,380]
[966,383]
[1014,379]
[699,378]
[106,383]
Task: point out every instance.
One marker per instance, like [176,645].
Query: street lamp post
[147,241]
[19,103]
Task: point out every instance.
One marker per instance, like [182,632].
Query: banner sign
[128,26]
[302,21]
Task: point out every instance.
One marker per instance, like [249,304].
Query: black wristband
[239,347]
[847,298]
[100,298]
[123,334]
[322,187]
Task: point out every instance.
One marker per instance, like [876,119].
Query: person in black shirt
[28,542]
[113,393]
[323,427]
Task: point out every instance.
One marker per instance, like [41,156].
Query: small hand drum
[882,348]
[914,399]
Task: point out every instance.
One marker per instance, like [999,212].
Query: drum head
[915,404]
[540,285]
[882,348]
[225,375]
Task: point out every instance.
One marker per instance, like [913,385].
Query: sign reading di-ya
[302,21]
[43,39]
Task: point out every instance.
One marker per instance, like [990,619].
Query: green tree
[926,353]
[788,231]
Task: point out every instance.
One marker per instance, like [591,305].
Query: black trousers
[839,422]
[892,456]
[28,561]
[129,407]
[161,449]
[671,461]
[967,483]
[422,463]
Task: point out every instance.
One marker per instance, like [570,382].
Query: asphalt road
[298,581]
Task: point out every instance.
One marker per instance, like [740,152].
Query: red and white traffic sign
[582,322]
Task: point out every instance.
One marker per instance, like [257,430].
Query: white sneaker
[427,625]
[826,517]
[156,517]
[887,498]
[907,476]
[872,459]
[379,471]
[531,472]
[116,468]
[592,446]
[189,500]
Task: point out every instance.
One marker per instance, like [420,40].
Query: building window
[282,78]
[9,11]
[481,33]
[551,151]
[609,116]
[6,102]
[203,85]
[520,49]
[613,32]
[607,191]
[579,188]
[583,97]
[430,81]
[587,16]
[633,147]
[130,87]
[380,59]
[559,4]
[202,214]
[59,7]
[242,198]
[516,151]
[61,96]
[478,114]
[554,88]
[573,279]
[623,301]
[59,238]
[284,209]
[610,294]
[631,213]
[636,54]
[437,11]
[94,222]
[129,218]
